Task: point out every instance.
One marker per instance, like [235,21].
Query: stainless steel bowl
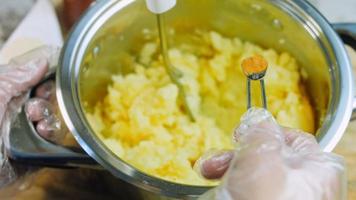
[97,48]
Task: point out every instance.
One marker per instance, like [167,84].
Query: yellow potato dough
[142,121]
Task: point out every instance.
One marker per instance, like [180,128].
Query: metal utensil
[158,7]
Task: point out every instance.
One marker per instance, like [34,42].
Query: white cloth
[39,27]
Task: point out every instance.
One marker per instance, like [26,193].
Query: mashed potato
[141,119]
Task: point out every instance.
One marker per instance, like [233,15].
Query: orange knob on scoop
[254,67]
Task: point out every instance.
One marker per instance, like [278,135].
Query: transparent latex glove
[16,78]
[43,111]
[274,163]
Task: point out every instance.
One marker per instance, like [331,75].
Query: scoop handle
[160,6]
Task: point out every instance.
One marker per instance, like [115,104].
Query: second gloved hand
[274,163]
[16,79]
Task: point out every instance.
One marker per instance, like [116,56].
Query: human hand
[16,78]
[274,163]
[43,111]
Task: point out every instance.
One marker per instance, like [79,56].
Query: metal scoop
[158,7]
[255,68]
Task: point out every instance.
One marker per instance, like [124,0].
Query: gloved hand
[274,163]
[16,79]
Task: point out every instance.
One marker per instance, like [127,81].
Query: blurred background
[12,11]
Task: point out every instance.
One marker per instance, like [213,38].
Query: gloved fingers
[254,168]
[38,109]
[26,70]
[255,116]
[301,141]
[255,142]
[257,121]
[18,79]
[51,129]
[48,53]
[256,134]
[272,162]
[213,165]
[258,125]
[42,112]
[46,91]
